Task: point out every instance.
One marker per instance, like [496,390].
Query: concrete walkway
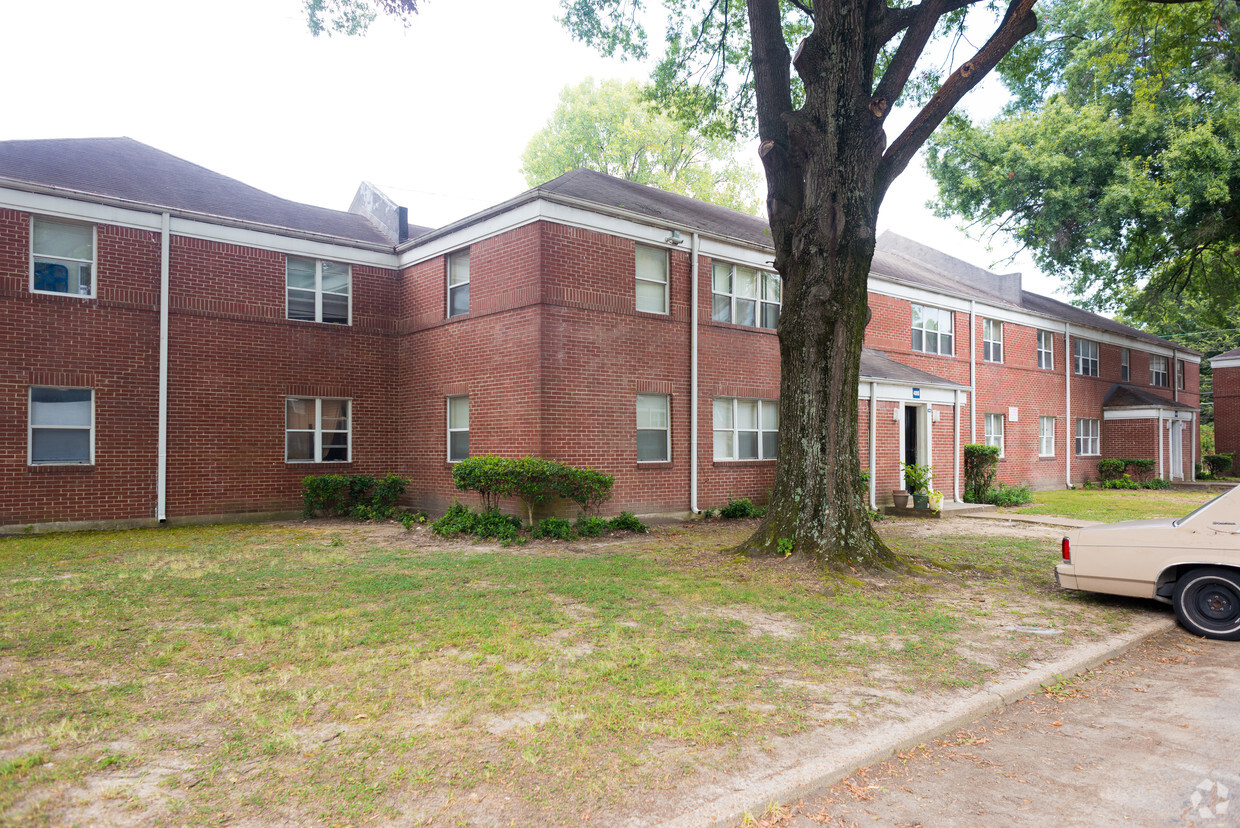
[1046,520]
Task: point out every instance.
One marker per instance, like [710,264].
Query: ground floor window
[458,428]
[62,426]
[653,429]
[994,431]
[746,429]
[1088,434]
[316,430]
[1046,436]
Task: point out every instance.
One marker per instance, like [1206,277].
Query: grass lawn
[336,674]
[1115,504]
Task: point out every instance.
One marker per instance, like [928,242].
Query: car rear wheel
[1207,602]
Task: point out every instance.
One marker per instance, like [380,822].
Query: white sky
[436,116]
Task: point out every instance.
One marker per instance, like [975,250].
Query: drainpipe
[693,375]
[161,468]
[873,442]
[1159,427]
[1069,429]
[956,439]
[972,371]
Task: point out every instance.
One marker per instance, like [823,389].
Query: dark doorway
[910,435]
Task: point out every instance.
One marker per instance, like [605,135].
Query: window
[653,433]
[745,296]
[62,426]
[458,283]
[1086,353]
[1046,350]
[1158,370]
[746,429]
[1046,436]
[932,330]
[458,428]
[62,257]
[1123,365]
[1087,437]
[318,291]
[316,430]
[992,340]
[1179,374]
[651,279]
[994,431]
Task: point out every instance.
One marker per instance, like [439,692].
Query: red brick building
[179,345]
[1226,371]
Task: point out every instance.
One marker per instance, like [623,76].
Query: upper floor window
[1086,353]
[932,330]
[1046,436]
[745,296]
[458,428]
[992,340]
[458,283]
[651,279]
[62,257]
[1046,350]
[1124,372]
[994,431]
[1158,370]
[654,433]
[746,429]
[62,426]
[318,291]
[316,430]
[1179,374]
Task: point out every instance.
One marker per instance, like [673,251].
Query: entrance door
[910,435]
[1176,435]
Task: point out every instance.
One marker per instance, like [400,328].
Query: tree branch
[772,68]
[1017,22]
[926,16]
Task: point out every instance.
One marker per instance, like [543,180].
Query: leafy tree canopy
[613,128]
[1117,163]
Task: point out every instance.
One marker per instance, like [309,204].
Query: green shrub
[1002,494]
[1140,468]
[981,462]
[590,526]
[552,527]
[489,523]
[408,519]
[1157,483]
[358,496]
[1111,469]
[458,520]
[1217,464]
[738,508]
[1123,482]
[531,479]
[626,522]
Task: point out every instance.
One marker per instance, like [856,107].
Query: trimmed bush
[1217,464]
[352,495]
[1111,469]
[981,462]
[531,479]
[552,527]
[626,522]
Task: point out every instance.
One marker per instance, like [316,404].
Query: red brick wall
[1226,410]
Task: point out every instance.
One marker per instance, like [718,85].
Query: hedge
[533,480]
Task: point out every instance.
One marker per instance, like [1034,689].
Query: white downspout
[956,440]
[1161,471]
[161,467]
[1194,439]
[693,375]
[873,443]
[1069,428]
[972,371]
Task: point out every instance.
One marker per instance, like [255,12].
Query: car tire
[1207,602]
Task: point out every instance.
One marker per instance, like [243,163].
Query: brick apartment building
[1226,370]
[179,345]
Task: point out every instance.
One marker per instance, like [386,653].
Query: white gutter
[693,375]
[1069,428]
[161,471]
[956,440]
[1159,427]
[972,371]
[873,460]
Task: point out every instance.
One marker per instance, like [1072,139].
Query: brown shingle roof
[877,365]
[1128,396]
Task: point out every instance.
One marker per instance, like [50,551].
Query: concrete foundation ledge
[142,523]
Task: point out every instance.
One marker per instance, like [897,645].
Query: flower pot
[900,497]
[921,501]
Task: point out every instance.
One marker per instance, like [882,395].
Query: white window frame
[992,340]
[456,429]
[1046,350]
[318,431]
[1088,437]
[92,262]
[941,314]
[767,283]
[318,290]
[735,430]
[1125,372]
[31,427]
[1157,373]
[450,286]
[1085,356]
[664,283]
[667,413]
[994,431]
[1179,374]
[1046,436]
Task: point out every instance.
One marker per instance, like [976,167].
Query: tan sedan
[1192,563]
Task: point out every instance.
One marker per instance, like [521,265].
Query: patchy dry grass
[334,674]
[1116,504]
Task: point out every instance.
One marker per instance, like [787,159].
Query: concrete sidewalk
[1045,520]
[788,784]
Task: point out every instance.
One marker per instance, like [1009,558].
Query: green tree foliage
[613,127]
[1117,164]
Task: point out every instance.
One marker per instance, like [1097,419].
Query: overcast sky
[437,116]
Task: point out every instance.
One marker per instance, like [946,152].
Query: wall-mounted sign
[917,393]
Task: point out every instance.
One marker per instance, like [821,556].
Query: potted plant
[918,476]
[900,498]
[936,500]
